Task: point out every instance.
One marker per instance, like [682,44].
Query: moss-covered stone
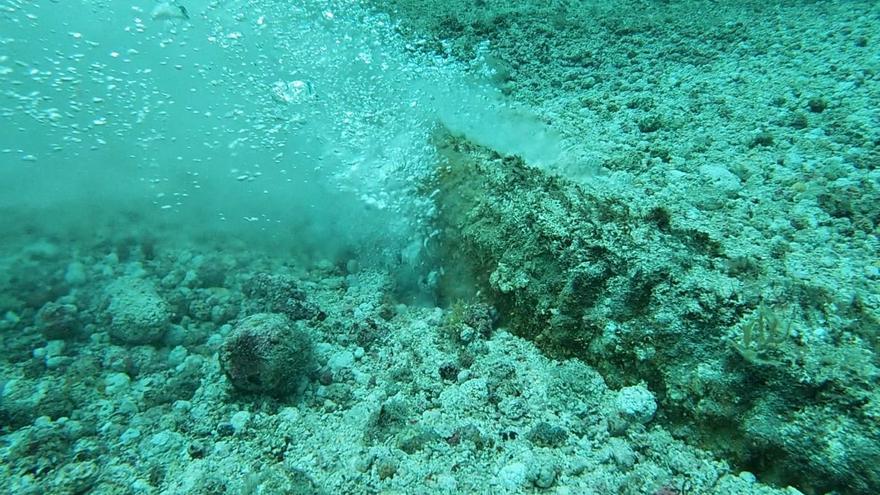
[266,353]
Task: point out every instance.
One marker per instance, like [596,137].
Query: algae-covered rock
[138,315]
[58,321]
[266,353]
[635,404]
[280,294]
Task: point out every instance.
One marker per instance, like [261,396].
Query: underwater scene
[323,247]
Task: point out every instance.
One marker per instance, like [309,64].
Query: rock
[266,353]
[636,404]
[58,321]
[138,314]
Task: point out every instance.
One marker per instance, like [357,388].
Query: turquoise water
[410,247]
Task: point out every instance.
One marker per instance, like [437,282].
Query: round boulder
[266,353]
[138,314]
